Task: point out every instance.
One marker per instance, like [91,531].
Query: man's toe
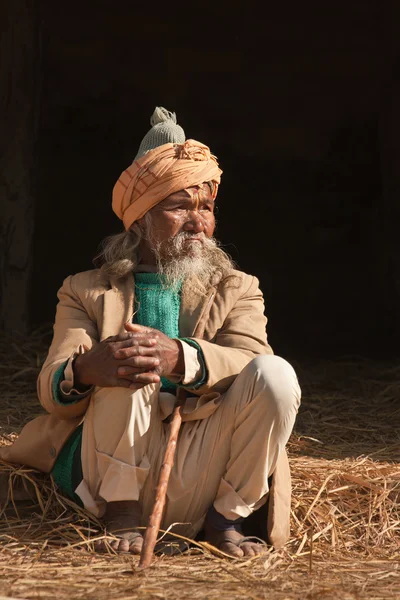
[249,549]
[231,549]
[136,546]
[114,544]
[103,546]
[123,546]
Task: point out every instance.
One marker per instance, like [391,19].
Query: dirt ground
[345,541]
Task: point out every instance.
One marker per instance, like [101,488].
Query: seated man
[166,308]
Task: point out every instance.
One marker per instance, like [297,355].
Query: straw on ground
[345,542]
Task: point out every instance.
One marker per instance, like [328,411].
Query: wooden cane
[150,536]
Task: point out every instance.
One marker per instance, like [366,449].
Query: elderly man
[165,309]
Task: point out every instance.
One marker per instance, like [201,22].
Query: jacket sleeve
[241,338]
[73,328]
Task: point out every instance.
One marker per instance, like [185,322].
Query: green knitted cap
[164,130]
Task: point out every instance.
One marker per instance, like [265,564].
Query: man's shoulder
[240,278]
[93,280]
[238,282]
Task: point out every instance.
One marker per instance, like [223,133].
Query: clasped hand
[133,359]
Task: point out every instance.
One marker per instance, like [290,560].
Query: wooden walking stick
[150,536]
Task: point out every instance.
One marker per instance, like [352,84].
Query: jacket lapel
[195,298]
[118,306]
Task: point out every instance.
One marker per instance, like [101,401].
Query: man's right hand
[99,366]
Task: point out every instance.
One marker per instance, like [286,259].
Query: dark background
[299,102]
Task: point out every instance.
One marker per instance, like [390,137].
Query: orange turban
[159,173]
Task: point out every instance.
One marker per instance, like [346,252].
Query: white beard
[179,259]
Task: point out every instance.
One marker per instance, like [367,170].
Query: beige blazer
[93,307]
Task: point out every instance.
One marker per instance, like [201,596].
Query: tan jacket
[92,307]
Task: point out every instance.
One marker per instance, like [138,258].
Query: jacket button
[53,452]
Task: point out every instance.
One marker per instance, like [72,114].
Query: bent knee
[277,379]
[267,366]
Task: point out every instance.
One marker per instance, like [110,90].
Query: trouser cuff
[229,504]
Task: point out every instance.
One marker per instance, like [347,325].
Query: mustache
[177,260]
[178,244]
[186,235]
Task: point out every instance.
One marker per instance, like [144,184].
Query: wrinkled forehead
[204,191]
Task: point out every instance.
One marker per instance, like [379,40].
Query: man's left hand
[167,350]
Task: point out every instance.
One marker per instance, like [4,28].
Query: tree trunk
[20,84]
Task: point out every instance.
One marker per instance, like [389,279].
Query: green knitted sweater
[158,307]
[155,306]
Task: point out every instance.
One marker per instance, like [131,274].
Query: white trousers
[224,460]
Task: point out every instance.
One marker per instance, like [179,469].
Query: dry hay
[345,539]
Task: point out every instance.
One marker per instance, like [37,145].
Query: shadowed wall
[291,105]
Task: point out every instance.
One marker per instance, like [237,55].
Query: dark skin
[142,355]
[190,210]
[132,359]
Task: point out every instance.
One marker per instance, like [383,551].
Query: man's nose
[194,222]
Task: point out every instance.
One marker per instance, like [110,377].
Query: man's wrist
[179,369]
[80,378]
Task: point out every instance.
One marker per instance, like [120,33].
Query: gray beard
[178,260]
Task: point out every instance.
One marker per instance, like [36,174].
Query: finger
[123,337]
[138,365]
[135,328]
[118,338]
[112,338]
[133,351]
[134,341]
[143,378]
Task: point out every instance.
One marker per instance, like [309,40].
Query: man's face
[190,211]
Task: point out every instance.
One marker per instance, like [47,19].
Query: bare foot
[121,520]
[233,542]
